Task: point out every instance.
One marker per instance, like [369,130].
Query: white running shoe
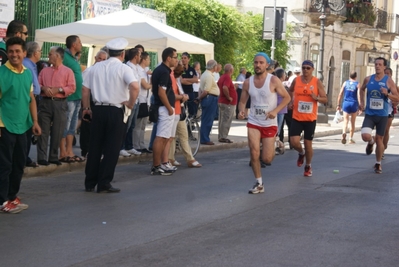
[133,152]
[124,153]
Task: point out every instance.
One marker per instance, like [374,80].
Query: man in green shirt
[74,46]
[17,111]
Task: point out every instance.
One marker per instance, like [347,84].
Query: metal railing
[382,19]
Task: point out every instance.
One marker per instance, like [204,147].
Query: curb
[43,171]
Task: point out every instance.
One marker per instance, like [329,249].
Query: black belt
[54,98]
[106,104]
[213,95]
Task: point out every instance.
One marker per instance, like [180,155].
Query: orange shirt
[305,107]
[176,92]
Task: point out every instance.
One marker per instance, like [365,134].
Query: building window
[345,66]
[314,56]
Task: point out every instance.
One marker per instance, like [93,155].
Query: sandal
[67,160]
[77,159]
[194,164]
[225,140]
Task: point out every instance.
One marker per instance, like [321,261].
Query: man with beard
[263,88]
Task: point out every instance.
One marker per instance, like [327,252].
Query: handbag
[143,110]
[153,113]
[183,114]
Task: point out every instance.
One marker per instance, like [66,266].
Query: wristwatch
[60,90]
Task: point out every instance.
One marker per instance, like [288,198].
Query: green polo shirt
[15,88]
[71,63]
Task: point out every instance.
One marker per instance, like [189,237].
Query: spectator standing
[280,73]
[33,54]
[188,79]
[227,103]
[18,114]
[74,47]
[15,28]
[197,68]
[133,59]
[144,100]
[164,98]
[240,79]
[56,83]
[108,124]
[209,93]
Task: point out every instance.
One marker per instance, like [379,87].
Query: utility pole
[274,31]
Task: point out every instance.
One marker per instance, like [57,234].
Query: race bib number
[376,104]
[305,107]
[260,112]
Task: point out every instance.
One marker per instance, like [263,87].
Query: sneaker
[299,162]
[133,152]
[124,153]
[281,148]
[145,150]
[308,171]
[351,141]
[168,166]
[256,189]
[160,171]
[377,168]
[8,207]
[343,140]
[369,148]
[19,204]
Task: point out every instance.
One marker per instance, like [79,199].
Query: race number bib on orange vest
[305,107]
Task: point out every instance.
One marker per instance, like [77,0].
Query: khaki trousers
[226,113]
[181,132]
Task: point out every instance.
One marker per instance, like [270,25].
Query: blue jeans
[209,105]
[191,105]
[128,144]
[72,117]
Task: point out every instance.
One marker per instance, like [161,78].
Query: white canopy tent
[135,27]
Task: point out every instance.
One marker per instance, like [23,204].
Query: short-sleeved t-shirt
[188,74]
[225,80]
[161,78]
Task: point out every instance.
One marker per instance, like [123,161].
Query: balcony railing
[382,19]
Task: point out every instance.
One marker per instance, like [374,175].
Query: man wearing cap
[306,91]
[240,79]
[187,79]
[108,123]
[164,98]
[263,88]
[209,93]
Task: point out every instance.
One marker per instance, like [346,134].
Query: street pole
[321,5]
[274,32]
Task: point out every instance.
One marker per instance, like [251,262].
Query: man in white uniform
[114,88]
[262,120]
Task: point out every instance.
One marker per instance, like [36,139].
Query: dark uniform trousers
[52,119]
[12,163]
[106,135]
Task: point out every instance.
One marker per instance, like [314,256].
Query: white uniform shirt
[144,94]
[262,102]
[109,82]
[240,78]
[136,74]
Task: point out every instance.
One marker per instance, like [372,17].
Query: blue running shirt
[376,102]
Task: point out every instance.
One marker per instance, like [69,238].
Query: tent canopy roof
[134,26]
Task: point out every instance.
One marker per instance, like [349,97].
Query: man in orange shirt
[306,91]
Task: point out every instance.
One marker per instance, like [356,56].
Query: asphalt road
[205,217]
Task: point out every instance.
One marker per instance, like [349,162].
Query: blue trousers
[128,144]
[209,105]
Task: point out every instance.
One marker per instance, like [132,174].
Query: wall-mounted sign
[395,55]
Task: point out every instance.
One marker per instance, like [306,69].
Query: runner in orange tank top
[306,91]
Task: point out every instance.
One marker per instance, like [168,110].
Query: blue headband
[308,63]
[262,54]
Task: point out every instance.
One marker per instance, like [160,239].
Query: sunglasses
[306,68]
[25,33]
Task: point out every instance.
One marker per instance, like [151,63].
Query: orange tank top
[305,107]
[176,92]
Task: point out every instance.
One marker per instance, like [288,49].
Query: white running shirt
[262,102]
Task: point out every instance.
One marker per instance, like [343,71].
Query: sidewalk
[238,134]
